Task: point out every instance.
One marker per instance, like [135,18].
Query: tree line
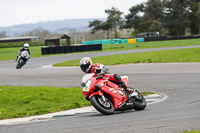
[168,17]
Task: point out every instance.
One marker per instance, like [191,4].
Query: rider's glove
[100,75]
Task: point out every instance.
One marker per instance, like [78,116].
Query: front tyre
[105,107]
[18,65]
[21,63]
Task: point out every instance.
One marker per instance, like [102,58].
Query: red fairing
[108,87]
[96,93]
[125,79]
[113,91]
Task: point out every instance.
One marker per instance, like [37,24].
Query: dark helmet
[86,64]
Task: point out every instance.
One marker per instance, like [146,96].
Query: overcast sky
[14,12]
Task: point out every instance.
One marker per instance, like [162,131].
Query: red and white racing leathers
[98,68]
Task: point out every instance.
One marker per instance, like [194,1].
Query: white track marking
[160,100]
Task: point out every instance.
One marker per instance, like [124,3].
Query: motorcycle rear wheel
[106,107]
[140,102]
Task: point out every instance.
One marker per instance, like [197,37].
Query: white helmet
[26,45]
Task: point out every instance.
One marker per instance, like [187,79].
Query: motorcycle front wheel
[105,107]
[20,64]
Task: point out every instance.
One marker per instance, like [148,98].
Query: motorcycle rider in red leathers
[100,70]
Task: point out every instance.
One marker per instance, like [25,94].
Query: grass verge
[11,53]
[25,101]
[178,55]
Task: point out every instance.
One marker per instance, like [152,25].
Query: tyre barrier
[164,38]
[70,49]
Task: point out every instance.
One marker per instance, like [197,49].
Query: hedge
[20,44]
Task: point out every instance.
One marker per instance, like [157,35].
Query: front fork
[102,96]
[19,56]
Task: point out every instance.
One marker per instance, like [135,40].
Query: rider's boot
[16,58]
[123,84]
[129,91]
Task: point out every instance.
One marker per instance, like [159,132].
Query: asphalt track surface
[179,81]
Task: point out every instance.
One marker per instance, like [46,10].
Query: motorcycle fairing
[125,79]
[113,89]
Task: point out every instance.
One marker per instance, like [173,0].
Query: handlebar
[100,75]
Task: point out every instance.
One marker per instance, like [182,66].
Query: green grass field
[11,53]
[25,101]
[179,55]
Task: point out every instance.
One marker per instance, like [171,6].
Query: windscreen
[86,77]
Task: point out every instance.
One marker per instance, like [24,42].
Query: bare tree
[3,34]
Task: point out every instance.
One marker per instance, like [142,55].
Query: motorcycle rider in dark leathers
[24,48]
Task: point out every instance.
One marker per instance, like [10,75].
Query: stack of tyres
[45,50]
[85,48]
[57,50]
[52,50]
[81,48]
[78,49]
[99,47]
[72,49]
[63,49]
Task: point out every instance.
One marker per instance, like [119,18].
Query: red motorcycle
[108,97]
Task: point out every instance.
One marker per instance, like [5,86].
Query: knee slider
[117,77]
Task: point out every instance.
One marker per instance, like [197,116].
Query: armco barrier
[70,49]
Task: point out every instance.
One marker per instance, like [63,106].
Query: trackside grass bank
[27,101]
[11,53]
[18,101]
[179,55]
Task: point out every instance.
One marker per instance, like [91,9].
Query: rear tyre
[139,101]
[105,107]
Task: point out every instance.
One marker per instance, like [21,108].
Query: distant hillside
[61,26]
